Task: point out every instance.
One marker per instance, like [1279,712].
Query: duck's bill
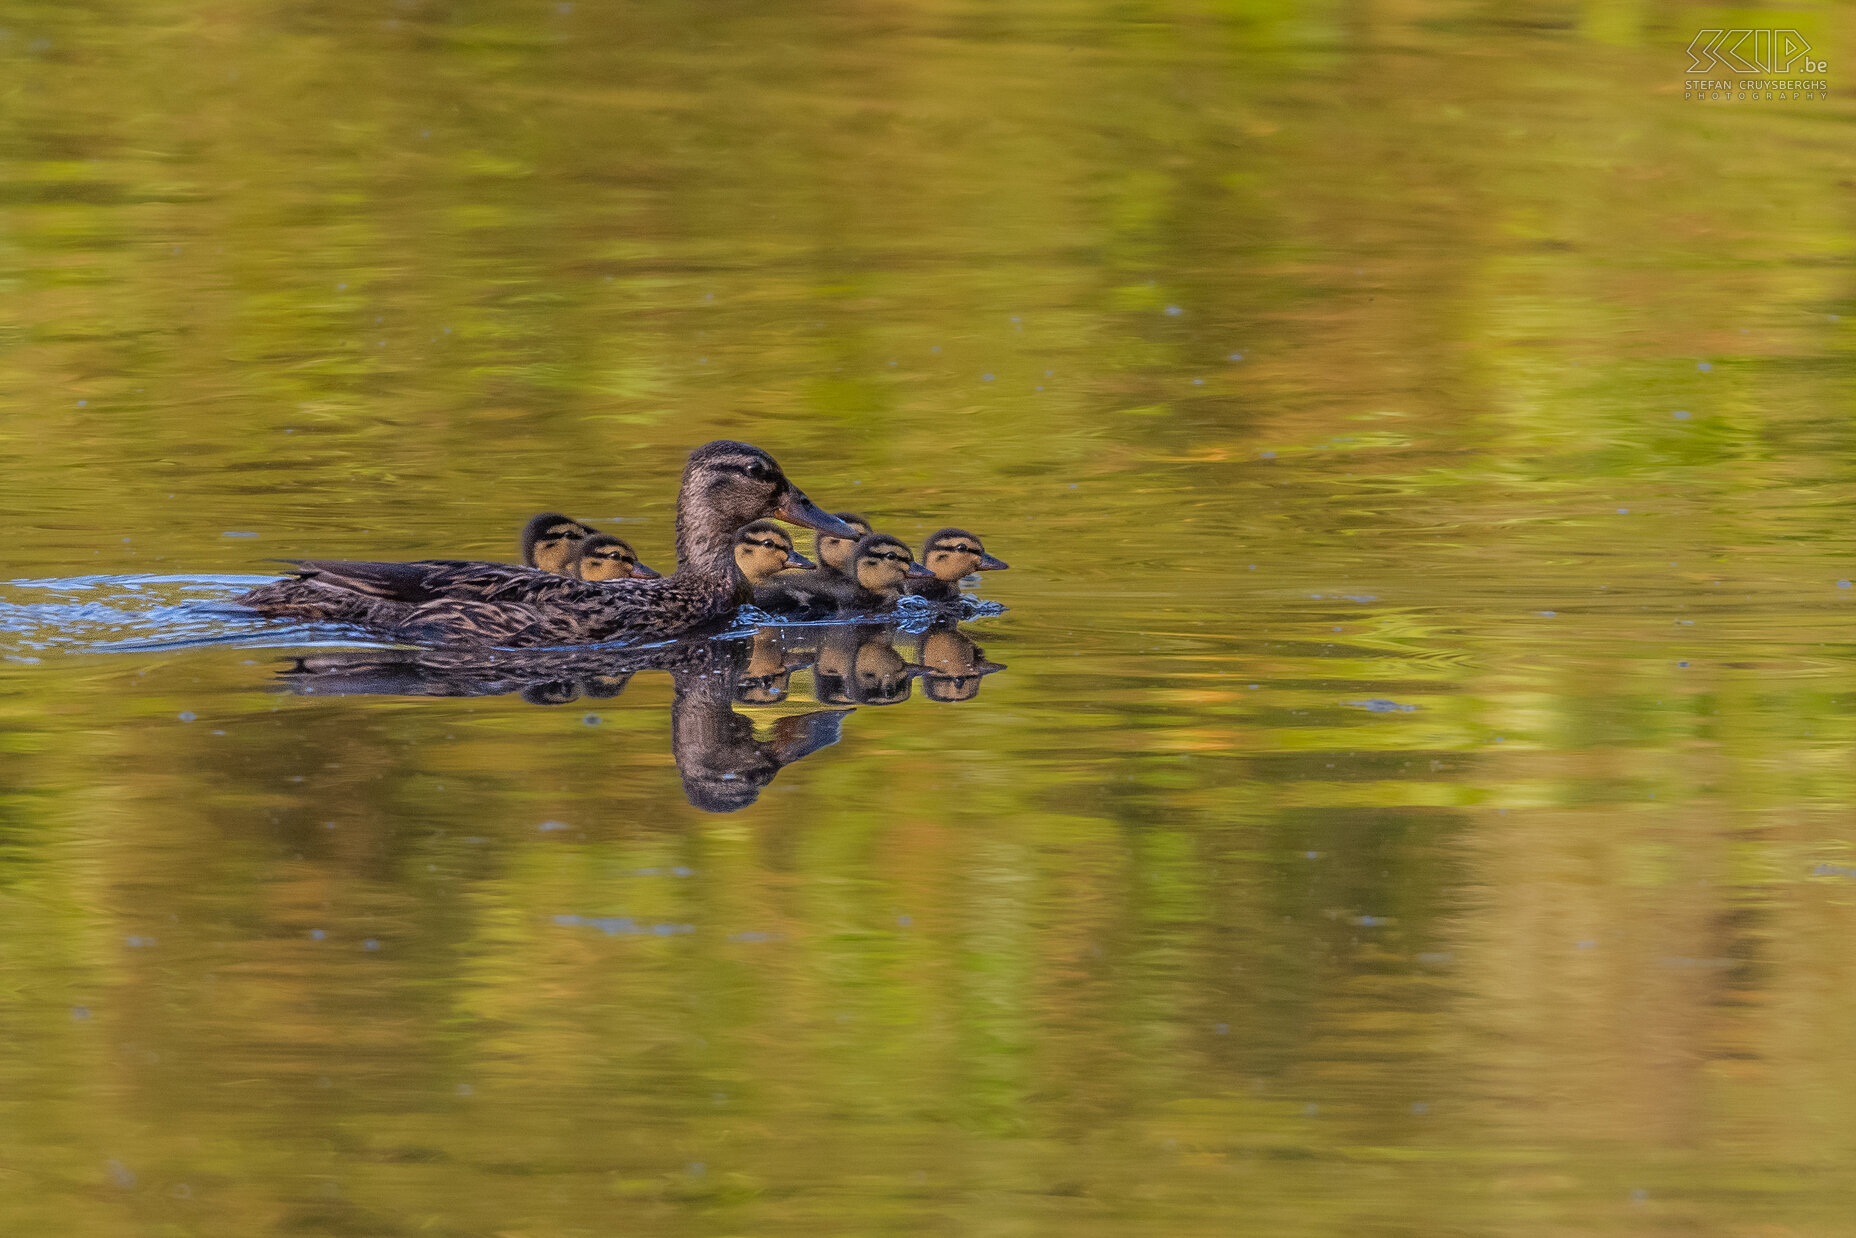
[989,564]
[641,572]
[918,572]
[795,559]
[796,508]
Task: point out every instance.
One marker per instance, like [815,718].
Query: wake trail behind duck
[137,613]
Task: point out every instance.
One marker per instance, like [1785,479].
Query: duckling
[550,539]
[725,485]
[763,550]
[950,555]
[604,557]
[876,570]
[834,552]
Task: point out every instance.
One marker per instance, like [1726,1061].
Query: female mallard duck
[874,573]
[550,540]
[763,550]
[725,485]
[604,557]
[950,555]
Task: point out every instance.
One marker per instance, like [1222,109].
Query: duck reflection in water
[724,758]
[724,764]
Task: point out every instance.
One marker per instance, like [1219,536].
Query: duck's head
[605,557]
[550,539]
[880,563]
[954,553]
[731,484]
[835,551]
[763,550]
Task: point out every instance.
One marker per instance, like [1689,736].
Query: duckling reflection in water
[951,664]
[877,569]
[723,764]
[768,675]
[858,665]
[605,557]
[950,556]
[567,691]
[550,540]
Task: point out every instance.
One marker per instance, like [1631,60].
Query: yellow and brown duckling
[725,486]
[763,550]
[950,556]
[872,579]
[550,540]
[605,557]
[834,552]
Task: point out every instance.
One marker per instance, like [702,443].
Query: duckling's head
[605,557]
[834,552]
[953,553]
[880,563]
[550,539]
[728,484]
[763,550]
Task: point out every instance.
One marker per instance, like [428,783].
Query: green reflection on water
[1182,925]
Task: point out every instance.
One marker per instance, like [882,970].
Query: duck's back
[425,580]
[480,603]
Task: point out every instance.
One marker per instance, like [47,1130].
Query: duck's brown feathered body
[725,486]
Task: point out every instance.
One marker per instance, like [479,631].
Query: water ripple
[140,613]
